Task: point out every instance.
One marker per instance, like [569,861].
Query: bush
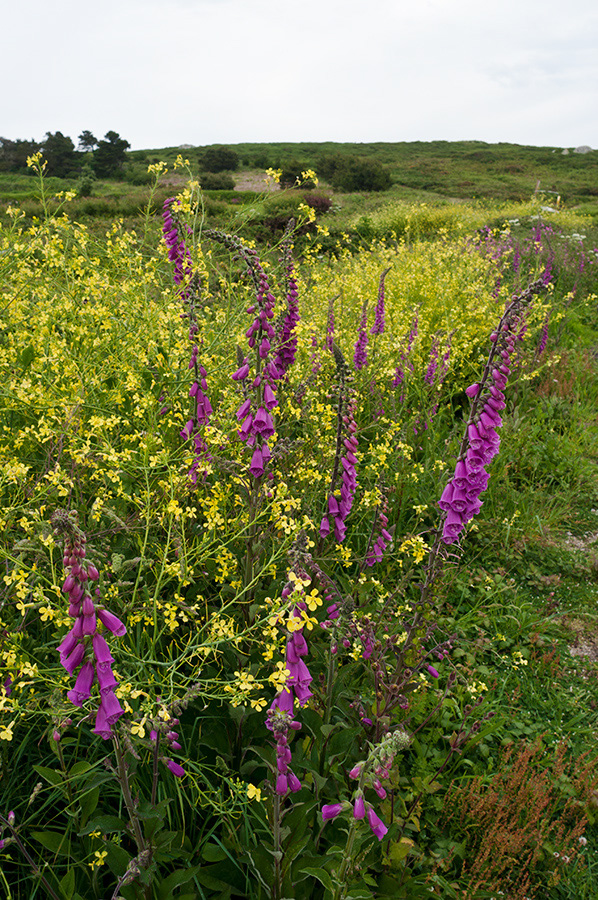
[352,173]
[219,159]
[212,181]
[318,201]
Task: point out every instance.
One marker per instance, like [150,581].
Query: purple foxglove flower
[262,423]
[175,768]
[245,429]
[74,659]
[257,463]
[112,707]
[243,410]
[106,680]
[299,643]
[302,692]
[359,807]
[445,501]
[294,783]
[102,652]
[112,622]
[187,430]
[376,824]
[473,390]
[82,689]
[433,672]
[102,726]
[270,400]
[331,810]
[379,789]
[68,644]
[340,529]
[241,373]
[324,527]
[282,784]
[69,583]
[89,624]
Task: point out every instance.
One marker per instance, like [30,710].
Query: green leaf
[105,824]
[53,776]
[67,884]
[27,356]
[89,801]
[213,853]
[55,841]
[79,768]
[321,875]
[118,858]
[176,879]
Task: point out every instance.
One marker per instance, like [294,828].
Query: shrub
[352,173]
[219,159]
[216,181]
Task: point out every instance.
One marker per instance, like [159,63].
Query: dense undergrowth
[328,685]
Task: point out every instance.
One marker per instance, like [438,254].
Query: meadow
[299,538]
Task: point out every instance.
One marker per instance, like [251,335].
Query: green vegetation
[184,419]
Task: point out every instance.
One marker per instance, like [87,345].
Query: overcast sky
[170,72]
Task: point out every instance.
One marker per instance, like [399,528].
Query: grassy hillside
[434,172]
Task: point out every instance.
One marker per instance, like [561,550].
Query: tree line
[105,158]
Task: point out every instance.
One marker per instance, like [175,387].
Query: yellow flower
[138,729]
[254,793]
[6,732]
[100,858]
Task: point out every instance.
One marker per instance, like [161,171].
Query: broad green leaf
[176,879]
[53,776]
[56,841]
[67,884]
[321,875]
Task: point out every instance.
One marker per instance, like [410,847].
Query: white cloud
[163,72]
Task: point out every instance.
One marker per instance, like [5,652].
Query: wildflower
[83,646]
[359,807]
[360,356]
[460,498]
[332,810]
[176,769]
[378,326]
[375,823]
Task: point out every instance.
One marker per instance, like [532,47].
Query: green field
[299,532]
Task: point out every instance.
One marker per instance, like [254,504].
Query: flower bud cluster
[379,320]
[405,355]
[83,648]
[178,253]
[286,346]
[368,773]
[460,500]
[259,391]
[383,537]
[340,507]
[360,357]
[280,721]
[164,730]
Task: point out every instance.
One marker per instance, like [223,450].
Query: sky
[163,73]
